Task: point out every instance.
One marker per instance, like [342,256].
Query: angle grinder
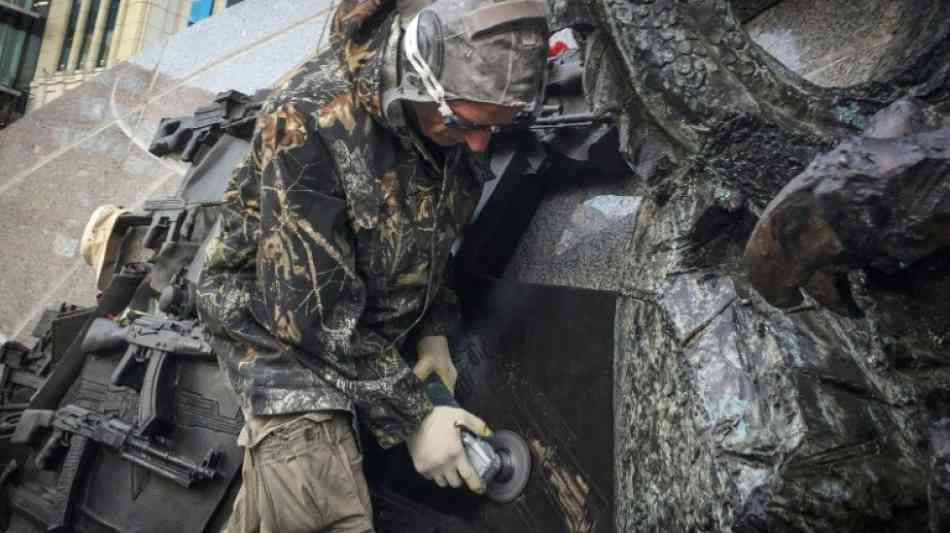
[503,462]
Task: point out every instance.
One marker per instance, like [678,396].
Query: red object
[556,49]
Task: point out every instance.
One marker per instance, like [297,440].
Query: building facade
[21,30]
[82,37]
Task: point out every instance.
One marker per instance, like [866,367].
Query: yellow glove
[433,356]
[436,448]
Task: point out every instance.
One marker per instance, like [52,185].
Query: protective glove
[433,356]
[436,448]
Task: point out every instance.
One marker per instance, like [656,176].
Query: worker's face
[433,127]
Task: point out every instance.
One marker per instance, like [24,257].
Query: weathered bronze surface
[733,415]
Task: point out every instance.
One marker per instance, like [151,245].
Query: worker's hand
[433,356]
[436,448]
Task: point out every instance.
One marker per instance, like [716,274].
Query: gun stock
[131,369]
[53,444]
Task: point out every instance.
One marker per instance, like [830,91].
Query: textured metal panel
[124,497]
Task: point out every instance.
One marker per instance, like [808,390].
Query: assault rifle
[214,139]
[115,434]
[564,105]
[147,365]
[231,112]
[557,120]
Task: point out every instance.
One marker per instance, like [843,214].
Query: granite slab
[43,219]
[833,43]
[89,147]
[581,232]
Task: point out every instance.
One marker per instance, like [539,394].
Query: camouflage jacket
[334,240]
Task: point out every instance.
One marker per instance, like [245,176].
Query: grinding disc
[516,467]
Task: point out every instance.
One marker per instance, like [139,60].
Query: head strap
[419,64]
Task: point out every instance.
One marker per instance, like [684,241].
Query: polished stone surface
[833,43]
[88,148]
[44,220]
[581,232]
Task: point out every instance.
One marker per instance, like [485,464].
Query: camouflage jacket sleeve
[444,314]
[312,296]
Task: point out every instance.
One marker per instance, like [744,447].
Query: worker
[332,247]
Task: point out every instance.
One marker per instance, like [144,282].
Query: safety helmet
[478,50]
[99,245]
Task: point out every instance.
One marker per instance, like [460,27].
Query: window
[70,34]
[200,10]
[106,45]
[87,32]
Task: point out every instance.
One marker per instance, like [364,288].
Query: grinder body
[503,463]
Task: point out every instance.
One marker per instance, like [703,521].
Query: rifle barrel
[178,477]
[574,120]
[201,472]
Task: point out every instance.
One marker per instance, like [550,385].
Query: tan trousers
[304,476]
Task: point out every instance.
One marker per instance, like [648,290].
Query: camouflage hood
[352,16]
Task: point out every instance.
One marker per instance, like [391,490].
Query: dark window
[31,54]
[87,32]
[110,30]
[20,39]
[232,2]
[70,34]
[13,36]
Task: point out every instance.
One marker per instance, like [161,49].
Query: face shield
[475,50]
